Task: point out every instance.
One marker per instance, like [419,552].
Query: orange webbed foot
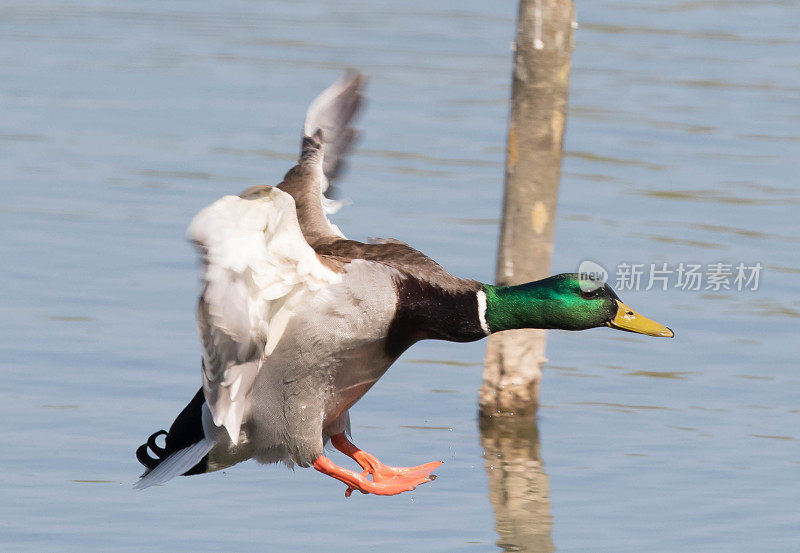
[378,470]
[386,480]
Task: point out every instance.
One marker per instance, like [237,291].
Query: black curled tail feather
[184,432]
[143,455]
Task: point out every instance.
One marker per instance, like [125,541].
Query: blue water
[120,120]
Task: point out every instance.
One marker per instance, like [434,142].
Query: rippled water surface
[120,120]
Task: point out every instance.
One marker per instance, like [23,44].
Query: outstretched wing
[332,113]
[327,136]
[257,268]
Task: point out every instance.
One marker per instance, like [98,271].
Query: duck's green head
[568,301]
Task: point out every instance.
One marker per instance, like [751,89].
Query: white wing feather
[333,112]
[257,270]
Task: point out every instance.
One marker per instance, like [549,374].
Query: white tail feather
[175,464]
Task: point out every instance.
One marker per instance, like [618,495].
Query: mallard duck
[297,322]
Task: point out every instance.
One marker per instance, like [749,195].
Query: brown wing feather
[397,255]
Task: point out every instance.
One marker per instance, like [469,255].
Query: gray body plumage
[337,348]
[331,355]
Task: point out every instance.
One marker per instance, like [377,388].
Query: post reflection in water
[518,485]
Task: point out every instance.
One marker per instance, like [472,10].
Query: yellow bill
[630,320]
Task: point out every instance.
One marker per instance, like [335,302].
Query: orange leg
[386,480]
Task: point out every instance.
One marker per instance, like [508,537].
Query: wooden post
[543,51]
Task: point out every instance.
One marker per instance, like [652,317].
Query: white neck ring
[482,311]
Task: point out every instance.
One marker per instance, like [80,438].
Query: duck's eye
[591,294]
